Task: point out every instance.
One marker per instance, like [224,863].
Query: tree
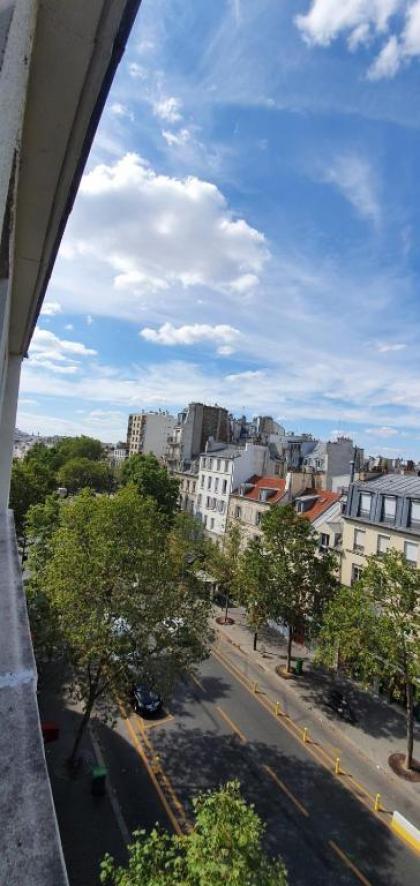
[375,627]
[301,581]
[79,447]
[223,563]
[255,587]
[114,593]
[224,846]
[30,484]
[152,480]
[81,472]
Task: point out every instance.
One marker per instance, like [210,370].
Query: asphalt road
[217,731]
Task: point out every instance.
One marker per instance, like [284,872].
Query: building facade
[148,432]
[380,514]
[188,481]
[193,428]
[334,463]
[249,503]
[222,470]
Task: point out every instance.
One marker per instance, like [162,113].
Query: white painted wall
[221,472]
[158,428]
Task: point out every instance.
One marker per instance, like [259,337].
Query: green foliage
[117,593]
[255,588]
[152,480]
[224,847]
[223,562]
[80,472]
[301,581]
[79,447]
[374,626]
[30,483]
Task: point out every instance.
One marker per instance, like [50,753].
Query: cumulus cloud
[223,335]
[389,346]
[155,232]
[48,351]
[120,110]
[179,138]
[168,108]
[382,432]
[353,176]
[366,22]
[51,308]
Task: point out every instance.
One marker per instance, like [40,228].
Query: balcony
[29,837]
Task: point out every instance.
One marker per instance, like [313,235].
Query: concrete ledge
[406,830]
[30,847]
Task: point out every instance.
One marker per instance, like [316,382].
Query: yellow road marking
[352,867]
[164,777]
[140,750]
[231,724]
[197,682]
[286,790]
[153,724]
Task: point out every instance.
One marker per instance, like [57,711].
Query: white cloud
[353,176]
[89,320]
[177,138]
[51,308]
[137,72]
[59,355]
[69,327]
[387,62]
[411,32]
[120,110]
[389,346]
[223,335]
[168,109]
[155,232]
[327,19]
[382,432]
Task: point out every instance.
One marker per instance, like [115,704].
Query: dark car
[145,701]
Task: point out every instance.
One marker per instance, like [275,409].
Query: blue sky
[247,229]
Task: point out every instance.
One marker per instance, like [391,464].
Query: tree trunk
[289,648]
[81,730]
[227,607]
[255,640]
[410,726]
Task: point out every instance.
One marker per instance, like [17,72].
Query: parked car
[145,701]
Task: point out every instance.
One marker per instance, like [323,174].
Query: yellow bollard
[305,735]
[278,708]
[377,806]
[337,765]
[255,688]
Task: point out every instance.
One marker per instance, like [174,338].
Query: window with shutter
[415,513]
[364,507]
[410,551]
[359,540]
[389,509]
[383,544]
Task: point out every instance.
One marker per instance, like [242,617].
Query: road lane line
[352,867]
[197,682]
[286,790]
[231,724]
[164,777]
[140,750]
[112,793]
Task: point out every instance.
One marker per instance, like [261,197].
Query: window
[227,466]
[415,513]
[389,508]
[204,520]
[356,573]
[325,541]
[207,502]
[238,512]
[382,544]
[410,551]
[216,484]
[359,540]
[219,464]
[194,485]
[258,518]
[199,501]
[211,522]
[221,506]
[224,486]
[364,506]
[202,481]
[208,482]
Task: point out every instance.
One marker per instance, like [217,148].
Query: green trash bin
[98,784]
[299,667]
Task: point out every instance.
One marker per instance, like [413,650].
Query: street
[217,729]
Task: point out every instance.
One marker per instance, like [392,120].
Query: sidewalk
[380,727]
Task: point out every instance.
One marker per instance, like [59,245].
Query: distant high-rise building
[148,432]
[195,425]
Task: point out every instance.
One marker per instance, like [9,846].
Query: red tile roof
[321,503]
[259,483]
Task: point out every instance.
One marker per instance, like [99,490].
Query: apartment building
[334,463]
[148,432]
[223,469]
[193,428]
[188,481]
[252,499]
[324,510]
[380,514]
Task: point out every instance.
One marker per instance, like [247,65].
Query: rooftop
[253,492]
[321,502]
[397,484]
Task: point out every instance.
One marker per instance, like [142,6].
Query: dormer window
[389,509]
[415,513]
[364,506]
